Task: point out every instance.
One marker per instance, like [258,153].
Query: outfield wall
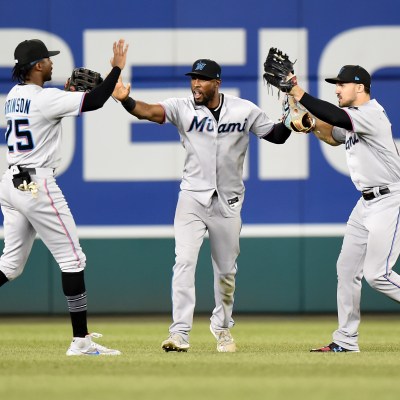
[277,275]
[121,176]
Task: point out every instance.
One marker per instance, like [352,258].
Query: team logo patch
[200,66]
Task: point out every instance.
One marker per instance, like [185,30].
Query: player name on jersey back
[17,105]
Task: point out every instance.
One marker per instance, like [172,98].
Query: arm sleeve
[96,98]
[326,112]
[278,134]
[339,134]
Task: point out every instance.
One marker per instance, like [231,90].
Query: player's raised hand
[120,50]
[121,92]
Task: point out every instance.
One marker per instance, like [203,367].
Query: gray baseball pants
[192,221]
[370,249]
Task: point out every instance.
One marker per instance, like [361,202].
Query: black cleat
[333,348]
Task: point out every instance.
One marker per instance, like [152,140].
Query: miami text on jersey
[351,141]
[19,104]
[207,123]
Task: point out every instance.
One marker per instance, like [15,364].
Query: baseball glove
[83,80]
[277,68]
[296,117]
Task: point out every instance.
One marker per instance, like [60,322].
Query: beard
[47,77]
[206,98]
[201,102]
[345,103]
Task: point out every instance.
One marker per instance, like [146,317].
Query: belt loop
[14,169]
[376,191]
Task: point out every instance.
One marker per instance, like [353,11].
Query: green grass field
[273,361]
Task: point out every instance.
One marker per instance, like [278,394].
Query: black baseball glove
[83,80]
[277,68]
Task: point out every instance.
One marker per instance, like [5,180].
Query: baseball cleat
[225,342]
[175,342]
[333,348]
[86,347]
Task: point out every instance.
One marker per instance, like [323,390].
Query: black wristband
[129,104]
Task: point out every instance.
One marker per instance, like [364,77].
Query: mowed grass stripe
[273,361]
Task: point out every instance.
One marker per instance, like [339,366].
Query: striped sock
[74,290]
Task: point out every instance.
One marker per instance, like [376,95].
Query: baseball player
[371,243]
[214,130]
[30,198]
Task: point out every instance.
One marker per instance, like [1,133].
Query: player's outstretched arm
[323,132]
[297,92]
[97,97]
[140,109]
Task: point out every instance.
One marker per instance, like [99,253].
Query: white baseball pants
[48,215]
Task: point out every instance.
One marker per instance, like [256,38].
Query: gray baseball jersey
[215,152]
[372,155]
[210,200]
[371,244]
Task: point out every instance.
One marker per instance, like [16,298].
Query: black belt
[369,194]
[24,169]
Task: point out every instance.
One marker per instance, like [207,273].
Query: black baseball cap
[31,50]
[352,74]
[207,68]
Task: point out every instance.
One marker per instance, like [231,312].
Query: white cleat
[86,347]
[225,342]
[175,342]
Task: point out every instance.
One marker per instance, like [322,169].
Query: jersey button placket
[215,155]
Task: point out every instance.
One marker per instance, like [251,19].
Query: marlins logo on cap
[205,68]
[200,65]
